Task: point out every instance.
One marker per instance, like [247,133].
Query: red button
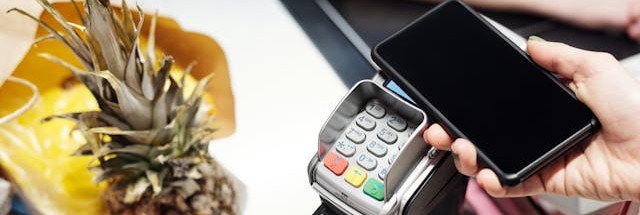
[336,163]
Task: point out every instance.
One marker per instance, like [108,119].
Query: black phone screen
[493,94]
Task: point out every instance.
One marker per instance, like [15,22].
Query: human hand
[614,15]
[622,15]
[605,168]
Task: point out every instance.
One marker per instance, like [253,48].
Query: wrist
[539,7]
[507,5]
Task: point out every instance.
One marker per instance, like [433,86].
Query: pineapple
[149,138]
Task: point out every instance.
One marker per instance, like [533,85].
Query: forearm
[528,6]
[586,13]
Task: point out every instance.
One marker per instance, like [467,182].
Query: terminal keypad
[367,147]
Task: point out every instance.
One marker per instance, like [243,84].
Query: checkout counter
[345,30]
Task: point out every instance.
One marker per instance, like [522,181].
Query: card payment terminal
[372,158]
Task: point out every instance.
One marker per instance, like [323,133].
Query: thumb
[572,63]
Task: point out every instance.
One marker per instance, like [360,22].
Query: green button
[375,189]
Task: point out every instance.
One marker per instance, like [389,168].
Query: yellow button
[355,176]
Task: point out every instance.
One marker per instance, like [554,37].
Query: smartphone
[482,87]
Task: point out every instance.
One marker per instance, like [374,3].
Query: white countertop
[284,90]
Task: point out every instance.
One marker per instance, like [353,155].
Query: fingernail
[536,38]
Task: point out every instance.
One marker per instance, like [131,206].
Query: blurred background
[290,63]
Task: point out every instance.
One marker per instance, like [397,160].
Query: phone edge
[508,179]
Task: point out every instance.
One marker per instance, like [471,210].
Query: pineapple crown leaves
[144,120]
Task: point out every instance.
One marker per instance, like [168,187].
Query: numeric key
[393,157]
[355,135]
[365,122]
[397,123]
[376,110]
[383,173]
[387,135]
[367,162]
[376,148]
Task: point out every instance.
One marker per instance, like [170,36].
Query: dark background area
[374,20]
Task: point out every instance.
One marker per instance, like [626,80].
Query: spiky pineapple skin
[215,196]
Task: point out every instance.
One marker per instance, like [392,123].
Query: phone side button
[336,163]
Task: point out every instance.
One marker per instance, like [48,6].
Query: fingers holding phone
[483,88]
[464,153]
[613,95]
[465,159]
